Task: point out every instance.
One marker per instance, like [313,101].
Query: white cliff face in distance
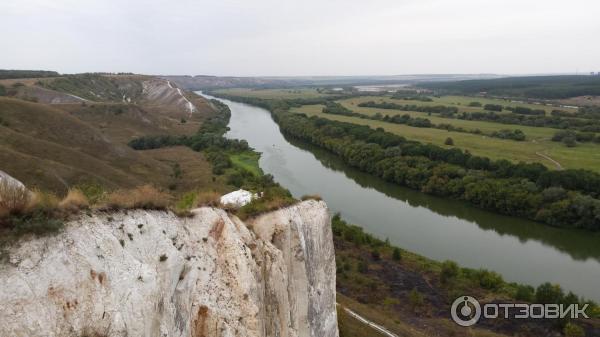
[150,273]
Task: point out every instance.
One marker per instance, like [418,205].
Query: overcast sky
[301,37]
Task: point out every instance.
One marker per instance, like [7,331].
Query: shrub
[208,198]
[45,202]
[450,271]
[144,197]
[163,258]
[311,197]
[397,254]
[449,141]
[416,299]
[14,198]
[74,201]
[524,293]
[573,330]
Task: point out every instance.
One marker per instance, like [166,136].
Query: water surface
[441,229]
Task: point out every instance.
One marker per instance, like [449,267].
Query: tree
[397,254]
[569,141]
[449,141]
[573,330]
[416,299]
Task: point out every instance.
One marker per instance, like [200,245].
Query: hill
[53,138]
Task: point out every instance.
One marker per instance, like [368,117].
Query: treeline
[545,87]
[570,137]
[410,95]
[588,112]
[527,190]
[418,122]
[535,121]
[437,109]
[12,74]
[208,138]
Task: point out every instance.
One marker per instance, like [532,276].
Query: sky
[301,37]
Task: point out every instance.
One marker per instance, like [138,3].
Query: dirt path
[365,321]
[558,165]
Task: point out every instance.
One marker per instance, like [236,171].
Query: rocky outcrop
[162,92]
[150,273]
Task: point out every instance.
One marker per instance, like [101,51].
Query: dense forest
[10,74]
[530,190]
[545,87]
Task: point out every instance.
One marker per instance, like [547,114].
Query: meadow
[533,150]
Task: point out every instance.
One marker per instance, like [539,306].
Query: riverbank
[440,229]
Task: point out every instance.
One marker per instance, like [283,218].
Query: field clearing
[487,127]
[461,102]
[273,93]
[247,160]
[582,156]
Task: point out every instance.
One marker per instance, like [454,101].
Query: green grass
[461,102]
[247,160]
[582,156]
[486,127]
[273,93]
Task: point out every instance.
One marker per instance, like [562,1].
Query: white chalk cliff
[150,273]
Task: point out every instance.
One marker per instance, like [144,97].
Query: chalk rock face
[150,273]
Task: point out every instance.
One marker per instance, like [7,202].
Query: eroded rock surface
[149,273]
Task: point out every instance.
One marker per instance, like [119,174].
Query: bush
[144,197]
[14,198]
[311,197]
[449,141]
[74,201]
[208,198]
[524,293]
[449,272]
[397,254]
[573,330]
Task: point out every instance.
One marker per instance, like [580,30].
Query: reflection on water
[441,229]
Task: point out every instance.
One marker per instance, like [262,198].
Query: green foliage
[493,107]
[549,293]
[94,192]
[416,299]
[573,330]
[500,186]
[449,141]
[516,134]
[546,87]
[525,293]
[397,254]
[11,74]
[437,109]
[450,271]
[2,90]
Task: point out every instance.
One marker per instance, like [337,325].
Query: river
[522,251]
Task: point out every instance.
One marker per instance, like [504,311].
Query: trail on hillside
[365,321]
[558,165]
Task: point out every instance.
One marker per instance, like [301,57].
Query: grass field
[532,133]
[247,160]
[461,102]
[583,156]
[273,93]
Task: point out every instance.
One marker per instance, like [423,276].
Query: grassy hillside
[57,146]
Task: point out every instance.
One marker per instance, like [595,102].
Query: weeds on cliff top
[311,197]
[144,197]
[273,198]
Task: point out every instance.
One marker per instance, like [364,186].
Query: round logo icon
[465,311]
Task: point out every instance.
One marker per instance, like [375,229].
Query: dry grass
[311,197]
[144,197]
[208,198]
[42,201]
[74,201]
[13,198]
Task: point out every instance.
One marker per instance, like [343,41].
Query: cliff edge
[150,273]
